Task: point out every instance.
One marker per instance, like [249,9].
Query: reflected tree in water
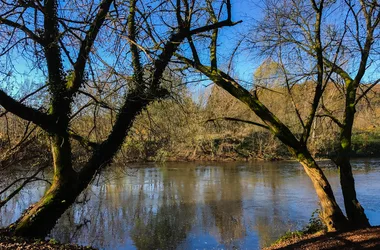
[226,206]
[166,224]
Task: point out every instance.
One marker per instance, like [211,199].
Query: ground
[360,239]
[20,243]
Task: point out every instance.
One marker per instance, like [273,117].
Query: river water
[197,206]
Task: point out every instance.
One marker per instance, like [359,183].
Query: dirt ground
[21,244]
[360,239]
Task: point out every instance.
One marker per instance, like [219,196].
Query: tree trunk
[67,183]
[355,212]
[41,218]
[331,215]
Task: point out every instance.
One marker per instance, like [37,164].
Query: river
[197,205]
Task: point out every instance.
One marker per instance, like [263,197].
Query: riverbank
[368,238]
[253,147]
[359,239]
[22,243]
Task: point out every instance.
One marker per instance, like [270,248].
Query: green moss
[345,143]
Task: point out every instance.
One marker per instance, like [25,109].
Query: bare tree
[68,44]
[331,212]
[348,52]
[310,44]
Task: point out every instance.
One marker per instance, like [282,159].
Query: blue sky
[248,11]
[244,63]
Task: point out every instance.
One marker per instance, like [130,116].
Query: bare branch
[27,113]
[16,191]
[86,46]
[26,97]
[235,89]
[137,68]
[367,90]
[83,141]
[238,120]
[27,31]
[333,118]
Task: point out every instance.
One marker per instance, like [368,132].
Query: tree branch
[235,89]
[136,63]
[334,119]
[87,44]
[238,120]
[367,90]
[26,97]
[23,28]
[16,191]
[83,141]
[27,113]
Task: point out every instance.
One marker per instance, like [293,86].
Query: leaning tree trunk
[331,215]
[331,212]
[68,184]
[39,219]
[42,217]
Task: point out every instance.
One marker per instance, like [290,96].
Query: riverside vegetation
[198,130]
[203,131]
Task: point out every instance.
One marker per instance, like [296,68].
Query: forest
[86,85]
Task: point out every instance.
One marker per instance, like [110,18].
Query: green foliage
[289,236]
[315,223]
[38,241]
[53,241]
[366,143]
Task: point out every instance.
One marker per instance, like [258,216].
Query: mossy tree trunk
[68,184]
[355,212]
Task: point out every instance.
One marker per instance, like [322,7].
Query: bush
[315,223]
[289,236]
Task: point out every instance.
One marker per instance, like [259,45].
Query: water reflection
[188,206]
